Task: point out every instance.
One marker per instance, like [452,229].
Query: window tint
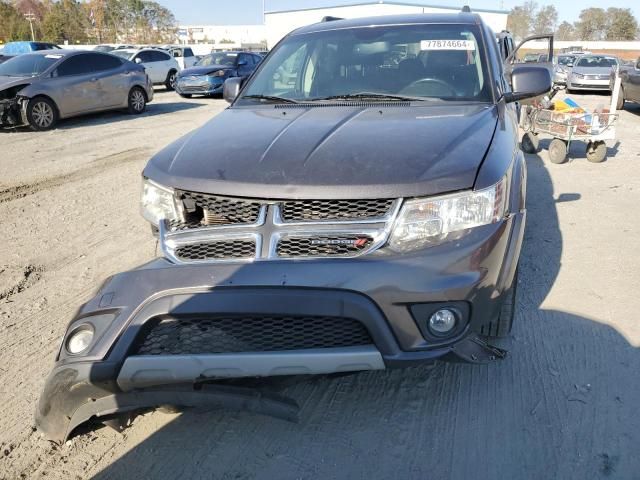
[144,56]
[188,52]
[98,63]
[76,65]
[159,56]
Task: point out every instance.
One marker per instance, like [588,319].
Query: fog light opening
[443,322]
[80,339]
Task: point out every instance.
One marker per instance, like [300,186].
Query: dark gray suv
[359,206]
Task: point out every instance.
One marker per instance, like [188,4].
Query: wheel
[596,151]
[185,95]
[502,327]
[620,104]
[170,82]
[137,101]
[42,114]
[558,151]
[530,142]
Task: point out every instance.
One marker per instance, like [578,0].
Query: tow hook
[476,350]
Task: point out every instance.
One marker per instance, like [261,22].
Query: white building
[231,36]
[280,22]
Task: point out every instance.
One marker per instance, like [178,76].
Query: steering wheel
[429,87]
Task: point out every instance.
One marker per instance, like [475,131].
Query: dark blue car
[208,75]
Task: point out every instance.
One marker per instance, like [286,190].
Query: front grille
[217,250]
[221,210]
[309,210]
[323,246]
[236,334]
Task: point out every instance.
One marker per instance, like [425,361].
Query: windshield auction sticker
[468,45]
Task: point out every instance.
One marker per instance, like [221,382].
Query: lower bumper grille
[217,250]
[237,334]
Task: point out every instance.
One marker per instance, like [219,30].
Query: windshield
[596,62]
[421,61]
[566,59]
[228,59]
[28,65]
[122,54]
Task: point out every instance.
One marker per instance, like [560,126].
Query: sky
[238,12]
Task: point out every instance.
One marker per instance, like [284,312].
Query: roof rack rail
[466,9]
[329,18]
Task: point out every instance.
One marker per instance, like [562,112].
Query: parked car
[630,84]
[209,74]
[592,72]
[562,68]
[104,48]
[161,67]
[374,220]
[13,49]
[183,55]
[41,88]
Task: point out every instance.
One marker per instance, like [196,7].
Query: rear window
[445,61]
[596,62]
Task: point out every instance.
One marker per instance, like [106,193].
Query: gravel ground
[562,405]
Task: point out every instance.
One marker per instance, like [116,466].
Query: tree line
[613,24]
[92,21]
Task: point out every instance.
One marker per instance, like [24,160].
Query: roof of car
[407,19]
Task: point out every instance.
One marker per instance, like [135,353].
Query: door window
[188,52]
[76,65]
[145,57]
[159,56]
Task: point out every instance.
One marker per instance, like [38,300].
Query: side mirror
[528,82]
[242,63]
[138,60]
[569,65]
[231,88]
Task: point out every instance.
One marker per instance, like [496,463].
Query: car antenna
[329,18]
[466,9]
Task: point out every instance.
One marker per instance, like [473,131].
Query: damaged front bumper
[12,112]
[391,297]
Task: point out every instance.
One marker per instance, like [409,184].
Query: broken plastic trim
[474,349]
[11,112]
[118,411]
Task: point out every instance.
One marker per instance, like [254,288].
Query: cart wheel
[530,142]
[596,151]
[558,151]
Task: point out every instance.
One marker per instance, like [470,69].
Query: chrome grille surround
[277,239]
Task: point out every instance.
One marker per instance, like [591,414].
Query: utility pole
[31,17]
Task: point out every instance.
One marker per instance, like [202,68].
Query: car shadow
[113,116]
[563,404]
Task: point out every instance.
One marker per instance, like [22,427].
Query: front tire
[137,102]
[170,82]
[530,142]
[42,114]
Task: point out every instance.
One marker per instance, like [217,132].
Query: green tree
[545,20]
[520,19]
[592,24]
[621,24]
[66,20]
[565,31]
[13,25]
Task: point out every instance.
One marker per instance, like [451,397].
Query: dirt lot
[562,405]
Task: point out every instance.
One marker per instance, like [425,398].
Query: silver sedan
[592,72]
[41,88]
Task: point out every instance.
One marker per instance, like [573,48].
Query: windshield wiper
[271,98]
[375,96]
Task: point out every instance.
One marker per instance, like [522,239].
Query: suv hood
[328,152]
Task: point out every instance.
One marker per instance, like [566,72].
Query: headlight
[158,202]
[80,339]
[429,221]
